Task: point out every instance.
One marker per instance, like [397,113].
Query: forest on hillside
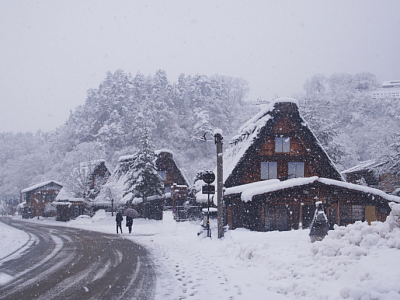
[339,108]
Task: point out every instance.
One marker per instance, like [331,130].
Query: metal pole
[218,142]
[208,214]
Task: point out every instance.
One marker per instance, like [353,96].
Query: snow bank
[11,240]
[367,253]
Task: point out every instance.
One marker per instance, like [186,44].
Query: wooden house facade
[276,170]
[37,199]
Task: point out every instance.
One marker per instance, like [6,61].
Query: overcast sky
[52,52]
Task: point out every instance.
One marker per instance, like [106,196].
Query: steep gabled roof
[253,133]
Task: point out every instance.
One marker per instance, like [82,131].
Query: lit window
[269,169]
[163,175]
[295,169]
[282,144]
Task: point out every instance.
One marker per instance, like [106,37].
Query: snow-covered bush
[358,239]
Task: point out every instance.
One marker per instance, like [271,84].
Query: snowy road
[66,263]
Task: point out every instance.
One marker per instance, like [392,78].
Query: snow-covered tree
[143,179]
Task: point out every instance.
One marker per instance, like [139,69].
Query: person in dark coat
[129,222]
[119,220]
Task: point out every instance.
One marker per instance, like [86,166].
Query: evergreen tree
[143,179]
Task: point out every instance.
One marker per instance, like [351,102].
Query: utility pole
[220,215]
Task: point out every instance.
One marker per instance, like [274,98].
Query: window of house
[351,213]
[282,144]
[269,170]
[49,197]
[295,169]
[163,175]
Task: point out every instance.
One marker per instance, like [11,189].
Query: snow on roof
[64,195]
[95,162]
[241,142]
[254,185]
[250,190]
[21,205]
[158,152]
[39,185]
[390,83]
[130,157]
[367,165]
[126,157]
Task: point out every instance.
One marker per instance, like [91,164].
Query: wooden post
[220,215]
[301,216]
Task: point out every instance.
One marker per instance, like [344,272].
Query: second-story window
[282,144]
[269,170]
[295,169]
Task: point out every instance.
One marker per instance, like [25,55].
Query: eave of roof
[248,191]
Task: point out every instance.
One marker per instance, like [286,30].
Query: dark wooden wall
[285,209]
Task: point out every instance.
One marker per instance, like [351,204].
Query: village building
[37,199]
[276,170]
[175,186]
[97,174]
[368,173]
[389,89]
[68,207]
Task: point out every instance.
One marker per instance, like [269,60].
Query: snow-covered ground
[354,262]
[12,243]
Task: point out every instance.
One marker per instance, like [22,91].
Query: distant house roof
[40,185]
[367,165]
[250,133]
[391,84]
[64,195]
[248,191]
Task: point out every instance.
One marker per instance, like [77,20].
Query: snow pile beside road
[11,240]
[362,256]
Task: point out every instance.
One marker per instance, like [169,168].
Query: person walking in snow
[119,220]
[129,222]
